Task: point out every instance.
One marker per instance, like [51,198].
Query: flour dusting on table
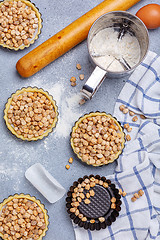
[68,107]
[69,112]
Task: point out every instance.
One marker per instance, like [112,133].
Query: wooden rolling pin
[67,38]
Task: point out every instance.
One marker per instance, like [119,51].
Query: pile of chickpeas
[18,23]
[98,139]
[31,114]
[22,219]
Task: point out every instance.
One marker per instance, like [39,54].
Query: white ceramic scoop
[45,183]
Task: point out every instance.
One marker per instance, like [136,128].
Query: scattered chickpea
[113,199]
[136,195]
[140,192]
[105,185]
[125,110]
[77,212]
[131,113]
[100,182]
[87,201]
[133,199]
[78,66]
[134,119]
[79,199]
[70,160]
[92,184]
[92,193]
[128,137]
[122,107]
[80,216]
[87,187]
[120,191]
[82,195]
[126,125]
[67,167]
[87,195]
[73,84]
[113,205]
[81,76]
[72,210]
[129,129]
[142,116]
[92,221]
[124,194]
[73,79]
[101,219]
[84,219]
[82,101]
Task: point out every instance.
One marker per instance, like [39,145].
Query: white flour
[68,108]
[68,114]
[105,46]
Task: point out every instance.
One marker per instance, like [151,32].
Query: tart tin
[100,205]
[38,31]
[93,114]
[33,199]
[30,89]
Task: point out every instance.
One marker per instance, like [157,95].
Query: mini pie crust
[94,114]
[99,205]
[33,199]
[30,89]
[38,31]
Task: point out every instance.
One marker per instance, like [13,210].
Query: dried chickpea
[78,66]
[67,167]
[135,119]
[124,193]
[73,79]
[92,221]
[84,219]
[136,195]
[70,160]
[125,110]
[129,129]
[113,205]
[113,199]
[101,219]
[122,107]
[126,126]
[140,192]
[87,201]
[128,137]
[73,84]
[131,113]
[142,116]
[120,191]
[87,195]
[81,76]
[133,199]
[82,101]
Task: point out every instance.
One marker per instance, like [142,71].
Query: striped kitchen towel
[139,165]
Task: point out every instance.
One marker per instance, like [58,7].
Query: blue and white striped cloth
[139,165]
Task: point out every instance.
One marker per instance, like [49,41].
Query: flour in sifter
[107,50]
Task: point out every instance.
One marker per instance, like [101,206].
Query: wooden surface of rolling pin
[67,38]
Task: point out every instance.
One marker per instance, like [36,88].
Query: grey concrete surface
[54,151]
